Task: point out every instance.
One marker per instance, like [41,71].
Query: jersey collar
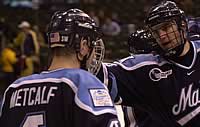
[193,60]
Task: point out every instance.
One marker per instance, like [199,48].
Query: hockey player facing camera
[164,84]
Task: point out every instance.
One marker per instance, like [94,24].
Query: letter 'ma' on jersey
[32,96]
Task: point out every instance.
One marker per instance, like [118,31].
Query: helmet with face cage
[168,12]
[68,27]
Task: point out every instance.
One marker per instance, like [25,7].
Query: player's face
[167,35]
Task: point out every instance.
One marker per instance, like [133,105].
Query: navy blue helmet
[167,15]
[67,28]
[141,42]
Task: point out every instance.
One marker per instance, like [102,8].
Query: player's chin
[168,46]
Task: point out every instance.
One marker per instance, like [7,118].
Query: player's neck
[186,48]
[63,62]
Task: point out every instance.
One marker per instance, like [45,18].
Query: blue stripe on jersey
[79,80]
[114,90]
[110,76]
[136,61]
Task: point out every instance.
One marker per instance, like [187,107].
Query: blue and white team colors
[156,86]
[60,98]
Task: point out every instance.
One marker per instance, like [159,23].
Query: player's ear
[84,49]
[184,27]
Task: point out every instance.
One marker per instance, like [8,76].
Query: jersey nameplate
[32,96]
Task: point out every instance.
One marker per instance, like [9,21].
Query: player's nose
[162,34]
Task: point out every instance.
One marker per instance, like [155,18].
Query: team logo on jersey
[188,99]
[156,74]
[100,97]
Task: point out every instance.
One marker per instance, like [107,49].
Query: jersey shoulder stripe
[137,61]
[195,48]
[85,86]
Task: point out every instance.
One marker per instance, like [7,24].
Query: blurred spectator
[110,28]
[131,28]
[94,16]
[194,28]
[30,44]
[19,39]
[115,17]
[101,16]
[42,40]
[8,61]
[29,53]
[40,37]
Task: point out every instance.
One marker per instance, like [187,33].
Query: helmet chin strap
[177,52]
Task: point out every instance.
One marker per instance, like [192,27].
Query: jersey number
[33,120]
[114,123]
